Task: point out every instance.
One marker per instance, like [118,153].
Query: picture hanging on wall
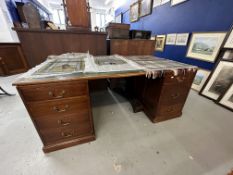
[171,39]
[219,81]
[145,7]
[164,2]
[229,42]
[200,79]
[205,46]
[156,3]
[176,2]
[160,42]
[134,12]
[228,55]
[182,39]
[226,99]
[118,18]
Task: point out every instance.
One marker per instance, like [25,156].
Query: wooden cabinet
[39,44]
[12,59]
[164,98]
[131,47]
[61,113]
[78,14]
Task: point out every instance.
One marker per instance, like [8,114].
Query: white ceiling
[101,4]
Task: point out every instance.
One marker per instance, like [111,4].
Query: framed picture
[134,12]
[200,79]
[160,42]
[119,18]
[176,2]
[171,39]
[220,79]
[205,46]
[182,39]
[229,41]
[164,2]
[145,7]
[156,3]
[228,55]
[226,99]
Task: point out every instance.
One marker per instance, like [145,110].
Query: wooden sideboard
[131,47]
[12,60]
[38,44]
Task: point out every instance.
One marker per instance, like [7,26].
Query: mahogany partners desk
[61,111]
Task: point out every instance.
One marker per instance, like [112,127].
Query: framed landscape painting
[182,39]
[227,99]
[205,46]
[171,39]
[145,7]
[219,81]
[200,79]
[134,12]
[160,42]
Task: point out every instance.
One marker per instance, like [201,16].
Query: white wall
[6,33]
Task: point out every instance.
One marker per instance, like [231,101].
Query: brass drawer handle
[175,96]
[170,110]
[63,123]
[66,135]
[58,96]
[61,110]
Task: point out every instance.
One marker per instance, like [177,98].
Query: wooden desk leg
[5,92]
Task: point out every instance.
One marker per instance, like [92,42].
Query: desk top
[96,68]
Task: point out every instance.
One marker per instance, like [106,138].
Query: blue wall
[188,17]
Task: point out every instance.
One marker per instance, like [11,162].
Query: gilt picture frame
[219,80]
[160,43]
[226,100]
[145,7]
[205,46]
[134,12]
[200,79]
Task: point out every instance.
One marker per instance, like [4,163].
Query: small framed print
[145,7]
[228,55]
[182,39]
[160,42]
[200,79]
[176,2]
[205,46]
[229,41]
[226,99]
[171,39]
[118,18]
[134,12]
[220,79]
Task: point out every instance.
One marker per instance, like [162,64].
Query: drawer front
[54,91]
[173,95]
[61,107]
[186,78]
[170,110]
[62,122]
[68,133]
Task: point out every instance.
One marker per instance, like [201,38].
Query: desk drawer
[54,91]
[61,107]
[169,110]
[68,133]
[59,122]
[173,95]
[186,78]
